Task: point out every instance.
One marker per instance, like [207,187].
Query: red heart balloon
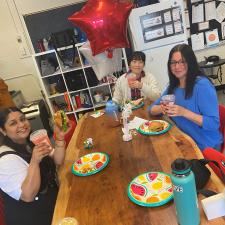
[105,23]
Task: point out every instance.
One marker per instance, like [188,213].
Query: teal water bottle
[184,190]
[112,113]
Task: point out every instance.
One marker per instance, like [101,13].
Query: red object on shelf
[66,97]
[78,101]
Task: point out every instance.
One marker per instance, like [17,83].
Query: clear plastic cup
[68,221]
[168,99]
[40,136]
[131,77]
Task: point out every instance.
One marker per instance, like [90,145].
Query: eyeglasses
[180,63]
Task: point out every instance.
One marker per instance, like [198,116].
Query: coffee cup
[68,221]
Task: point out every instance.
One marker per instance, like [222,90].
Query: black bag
[202,174]
[63,39]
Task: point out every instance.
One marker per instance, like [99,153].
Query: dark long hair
[192,73]
[4,114]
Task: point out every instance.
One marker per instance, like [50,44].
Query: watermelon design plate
[145,128]
[90,164]
[150,189]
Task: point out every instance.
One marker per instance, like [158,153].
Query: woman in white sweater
[136,83]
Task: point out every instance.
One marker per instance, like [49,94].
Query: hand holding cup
[39,137]
[166,102]
[131,78]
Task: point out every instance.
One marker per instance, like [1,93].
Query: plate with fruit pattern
[90,164]
[150,189]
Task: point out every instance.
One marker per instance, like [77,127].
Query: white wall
[16,64]
[19,73]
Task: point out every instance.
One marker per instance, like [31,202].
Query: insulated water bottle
[112,114]
[184,190]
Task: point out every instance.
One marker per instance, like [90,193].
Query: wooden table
[102,199]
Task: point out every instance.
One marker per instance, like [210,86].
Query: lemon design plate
[90,164]
[145,127]
[150,189]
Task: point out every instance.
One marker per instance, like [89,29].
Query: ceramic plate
[90,164]
[145,128]
[150,189]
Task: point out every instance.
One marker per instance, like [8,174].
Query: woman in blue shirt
[196,107]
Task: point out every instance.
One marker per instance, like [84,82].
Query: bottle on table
[112,113]
[184,190]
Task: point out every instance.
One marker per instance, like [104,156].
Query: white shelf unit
[78,81]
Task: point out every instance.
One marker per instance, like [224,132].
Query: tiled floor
[221,97]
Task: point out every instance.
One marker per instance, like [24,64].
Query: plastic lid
[181,166]
[111,106]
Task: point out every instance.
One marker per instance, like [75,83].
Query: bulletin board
[161,24]
[196,28]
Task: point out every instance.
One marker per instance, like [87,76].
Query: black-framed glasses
[179,63]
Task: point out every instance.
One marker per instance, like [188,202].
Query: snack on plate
[136,102]
[61,120]
[153,126]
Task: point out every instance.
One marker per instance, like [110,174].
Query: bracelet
[59,140]
[60,146]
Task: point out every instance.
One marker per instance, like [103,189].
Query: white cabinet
[75,89]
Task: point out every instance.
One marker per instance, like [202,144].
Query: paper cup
[68,221]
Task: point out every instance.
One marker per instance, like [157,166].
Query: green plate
[90,164]
[150,189]
[138,106]
[143,127]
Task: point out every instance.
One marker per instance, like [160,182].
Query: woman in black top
[28,181]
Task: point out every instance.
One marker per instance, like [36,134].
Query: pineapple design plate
[150,189]
[90,164]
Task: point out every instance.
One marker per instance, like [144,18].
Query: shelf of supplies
[84,89]
[83,109]
[51,75]
[72,69]
[55,95]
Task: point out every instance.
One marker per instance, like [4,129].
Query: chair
[212,154]
[69,134]
[222,124]
[2,220]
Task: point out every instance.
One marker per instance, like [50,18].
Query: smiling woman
[28,182]
[195,110]
[136,83]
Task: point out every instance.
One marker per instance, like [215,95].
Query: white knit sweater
[150,89]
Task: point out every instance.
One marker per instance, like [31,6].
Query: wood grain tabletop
[101,199]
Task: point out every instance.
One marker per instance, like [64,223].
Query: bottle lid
[181,166]
[111,106]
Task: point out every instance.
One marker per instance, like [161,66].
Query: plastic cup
[40,136]
[68,221]
[131,77]
[168,99]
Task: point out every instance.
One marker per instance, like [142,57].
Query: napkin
[214,206]
[136,123]
[98,113]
